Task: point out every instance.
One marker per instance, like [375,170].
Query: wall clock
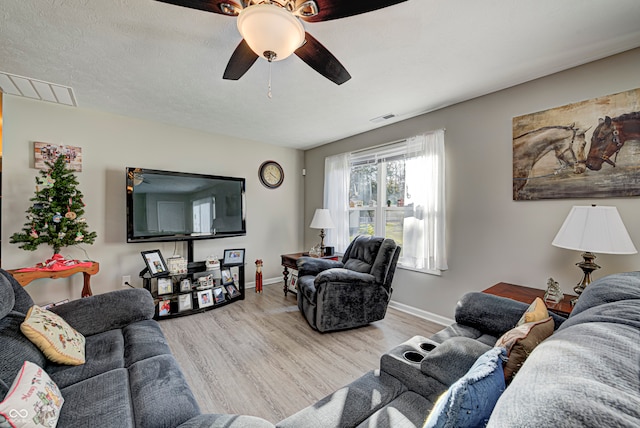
[271,174]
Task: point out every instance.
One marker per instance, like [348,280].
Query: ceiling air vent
[36,89]
[382,118]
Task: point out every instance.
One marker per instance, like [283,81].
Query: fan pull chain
[269,92]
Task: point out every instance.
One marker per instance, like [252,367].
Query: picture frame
[185,285]
[227,278]
[48,152]
[218,295]
[232,291]
[233,257]
[155,263]
[165,286]
[185,302]
[205,298]
[164,308]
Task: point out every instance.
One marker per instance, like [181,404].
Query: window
[203,215]
[396,191]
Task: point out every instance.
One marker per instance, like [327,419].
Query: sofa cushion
[408,410]
[103,401]
[142,340]
[22,299]
[611,288]
[104,352]
[15,349]
[470,400]
[160,394]
[226,421]
[33,399]
[520,342]
[7,298]
[55,338]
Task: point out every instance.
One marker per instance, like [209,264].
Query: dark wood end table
[527,295]
[289,261]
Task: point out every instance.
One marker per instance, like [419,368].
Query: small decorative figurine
[259,276]
[554,293]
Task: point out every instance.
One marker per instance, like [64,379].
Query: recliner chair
[336,295]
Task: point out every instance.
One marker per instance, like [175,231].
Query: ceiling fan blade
[241,61]
[335,9]
[223,7]
[321,60]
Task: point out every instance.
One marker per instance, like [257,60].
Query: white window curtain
[337,171]
[424,243]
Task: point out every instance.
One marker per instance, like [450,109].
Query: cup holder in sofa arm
[404,361]
[427,346]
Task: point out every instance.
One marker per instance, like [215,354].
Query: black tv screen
[179,206]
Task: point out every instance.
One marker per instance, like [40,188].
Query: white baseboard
[429,316]
[264,282]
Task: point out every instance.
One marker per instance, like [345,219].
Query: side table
[24,278]
[289,261]
[527,295]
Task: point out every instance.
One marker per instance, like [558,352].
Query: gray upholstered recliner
[336,295]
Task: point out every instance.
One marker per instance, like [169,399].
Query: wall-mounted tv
[180,206]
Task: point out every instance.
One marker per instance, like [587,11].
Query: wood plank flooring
[260,357]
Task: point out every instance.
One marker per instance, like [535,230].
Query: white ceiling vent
[382,118]
[36,89]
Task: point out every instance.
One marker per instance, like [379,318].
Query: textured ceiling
[153,60]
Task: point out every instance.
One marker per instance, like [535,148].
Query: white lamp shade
[594,229]
[266,27]
[321,219]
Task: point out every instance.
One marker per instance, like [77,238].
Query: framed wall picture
[155,263]
[218,295]
[233,257]
[164,308]
[185,302]
[232,291]
[165,286]
[185,285]
[205,298]
[47,152]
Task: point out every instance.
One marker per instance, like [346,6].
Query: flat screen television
[179,206]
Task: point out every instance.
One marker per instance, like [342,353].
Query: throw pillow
[537,311]
[57,340]
[33,399]
[520,342]
[471,399]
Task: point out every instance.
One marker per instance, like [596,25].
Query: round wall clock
[271,174]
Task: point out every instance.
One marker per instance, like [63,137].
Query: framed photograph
[185,302]
[164,308]
[205,298]
[233,257]
[218,295]
[155,262]
[227,278]
[47,152]
[232,290]
[185,285]
[165,286]
[235,274]
[293,282]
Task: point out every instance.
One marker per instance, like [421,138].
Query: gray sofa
[130,378]
[587,374]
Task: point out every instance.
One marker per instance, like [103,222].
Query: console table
[289,261]
[527,295]
[25,277]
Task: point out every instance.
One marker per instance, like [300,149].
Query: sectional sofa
[587,373]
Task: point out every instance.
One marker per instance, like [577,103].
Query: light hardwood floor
[260,357]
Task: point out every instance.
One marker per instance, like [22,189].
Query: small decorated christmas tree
[55,218]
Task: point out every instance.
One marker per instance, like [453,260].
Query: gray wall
[491,238]
[109,144]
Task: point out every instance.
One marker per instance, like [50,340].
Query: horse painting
[532,146]
[609,137]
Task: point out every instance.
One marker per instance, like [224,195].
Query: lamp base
[587,265]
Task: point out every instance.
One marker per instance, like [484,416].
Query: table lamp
[593,229]
[321,220]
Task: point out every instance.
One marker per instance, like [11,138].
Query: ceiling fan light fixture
[271,32]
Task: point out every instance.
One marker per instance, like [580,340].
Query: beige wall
[109,144]
[491,238]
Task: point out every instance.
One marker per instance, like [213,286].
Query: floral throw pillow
[57,340]
[34,400]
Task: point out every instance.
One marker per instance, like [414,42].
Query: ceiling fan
[272,29]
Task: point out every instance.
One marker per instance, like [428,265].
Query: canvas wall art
[47,152]
[589,149]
